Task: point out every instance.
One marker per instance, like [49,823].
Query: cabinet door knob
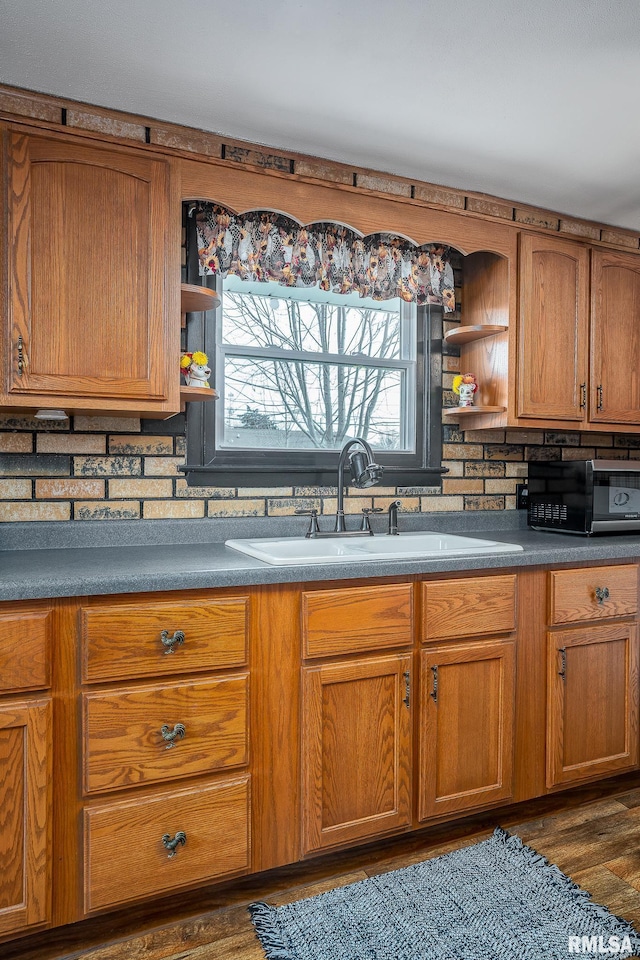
[602,594]
[599,392]
[170,735]
[171,642]
[583,396]
[171,844]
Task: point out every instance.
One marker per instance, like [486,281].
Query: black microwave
[584,496]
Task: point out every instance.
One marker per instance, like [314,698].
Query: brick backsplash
[93,468]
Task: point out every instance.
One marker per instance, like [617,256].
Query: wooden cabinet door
[592,702]
[552,328]
[93,320]
[467,707]
[356,750]
[25,775]
[615,338]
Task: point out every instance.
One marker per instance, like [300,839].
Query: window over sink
[300,370]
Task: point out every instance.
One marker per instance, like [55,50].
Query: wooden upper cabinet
[93,260]
[553,328]
[615,338]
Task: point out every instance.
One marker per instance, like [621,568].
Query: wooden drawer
[458,609]
[354,619]
[25,649]
[125,640]
[578,594]
[123,742]
[124,852]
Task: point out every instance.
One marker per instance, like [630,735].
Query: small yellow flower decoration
[462,378]
[198,358]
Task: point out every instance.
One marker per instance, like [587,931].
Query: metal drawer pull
[434,692]
[171,642]
[170,735]
[562,672]
[407,689]
[179,839]
[583,396]
[602,594]
[22,360]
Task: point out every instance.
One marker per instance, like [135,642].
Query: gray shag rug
[496,900]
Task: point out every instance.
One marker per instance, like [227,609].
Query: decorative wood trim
[101,123]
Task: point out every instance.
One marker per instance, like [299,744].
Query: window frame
[404,364]
[207,466]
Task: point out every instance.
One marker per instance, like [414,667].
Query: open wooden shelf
[466,334]
[198,393]
[194,298]
[470,411]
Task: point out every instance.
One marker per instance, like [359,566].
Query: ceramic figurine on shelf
[194,367]
[465,386]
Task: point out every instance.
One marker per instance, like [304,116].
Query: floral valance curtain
[262,245]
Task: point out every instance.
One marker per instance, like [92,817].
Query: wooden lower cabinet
[356,751]
[276,723]
[25,810]
[165,842]
[592,702]
[467,709]
[128,742]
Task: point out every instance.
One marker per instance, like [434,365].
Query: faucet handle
[314,529]
[366,512]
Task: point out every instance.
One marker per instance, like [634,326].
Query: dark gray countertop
[76,559]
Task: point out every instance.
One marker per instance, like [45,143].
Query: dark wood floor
[592,834]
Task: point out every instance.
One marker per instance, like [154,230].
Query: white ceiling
[531,101]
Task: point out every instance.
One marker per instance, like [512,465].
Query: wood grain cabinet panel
[93,321]
[25,810]
[553,326]
[593,593]
[122,641]
[615,338]
[457,609]
[356,753]
[124,842]
[355,619]
[592,702]
[467,711]
[25,648]
[123,731]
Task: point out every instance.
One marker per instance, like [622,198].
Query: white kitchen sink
[405,546]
